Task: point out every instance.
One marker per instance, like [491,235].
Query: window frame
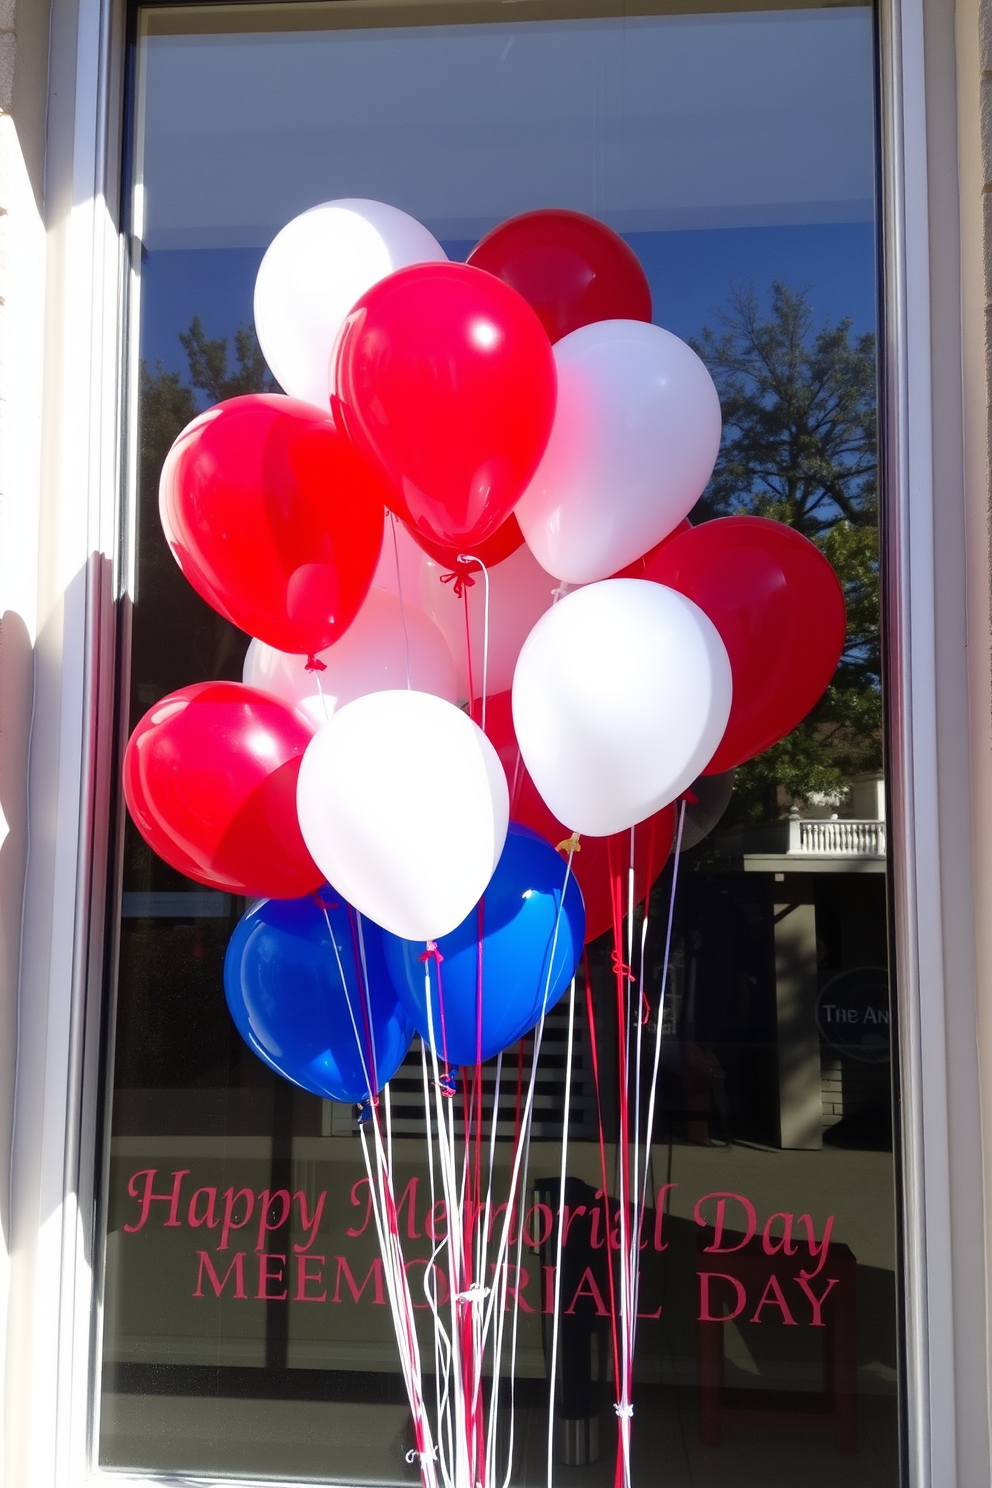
[936,706]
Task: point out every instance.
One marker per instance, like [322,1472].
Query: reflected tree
[178,638]
[168,402]
[800,446]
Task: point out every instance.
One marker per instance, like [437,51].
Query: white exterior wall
[61,280]
[23,93]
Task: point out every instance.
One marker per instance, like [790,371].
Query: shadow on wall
[16,693]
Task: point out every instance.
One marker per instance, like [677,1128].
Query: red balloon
[779,608]
[637,569]
[275,519]
[572,269]
[445,376]
[504,541]
[591,864]
[210,782]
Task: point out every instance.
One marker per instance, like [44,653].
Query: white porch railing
[841,837]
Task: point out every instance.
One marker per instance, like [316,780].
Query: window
[734,150]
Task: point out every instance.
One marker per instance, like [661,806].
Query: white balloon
[620,698]
[519,593]
[314,270]
[634,441]
[371,656]
[404,806]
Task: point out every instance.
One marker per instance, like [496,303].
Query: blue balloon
[323,1014]
[516,917]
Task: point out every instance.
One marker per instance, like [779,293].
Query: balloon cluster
[541,636]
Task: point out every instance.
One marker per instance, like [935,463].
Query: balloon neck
[432,953]
[447,1084]
[314,664]
[570,845]
[689,796]
[461,580]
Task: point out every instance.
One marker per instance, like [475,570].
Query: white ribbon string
[560,1240]
[461,1451]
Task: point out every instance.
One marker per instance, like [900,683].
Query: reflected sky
[652,123]
[690,275]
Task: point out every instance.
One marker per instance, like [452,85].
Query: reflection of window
[734,151]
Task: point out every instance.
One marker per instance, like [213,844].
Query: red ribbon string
[620,967]
[461,579]
[604,1191]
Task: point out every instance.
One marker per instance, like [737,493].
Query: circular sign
[852,1014]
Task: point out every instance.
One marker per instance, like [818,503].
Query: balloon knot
[570,845]
[689,796]
[325,903]
[414,1456]
[474,1295]
[461,581]
[432,953]
[447,1084]
[624,1410]
[620,967]
[314,664]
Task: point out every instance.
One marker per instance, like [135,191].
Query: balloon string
[483,1271]
[447,1084]
[521,1155]
[532,1083]
[468,655]
[442,1351]
[604,1190]
[370,1086]
[320,690]
[664,988]
[630,1238]
[471,558]
[383,1204]
[622,1383]
[477,1090]
[476,1307]
[454,1470]
[367,1002]
[399,594]
[463,1453]
[556,1314]
[632,1259]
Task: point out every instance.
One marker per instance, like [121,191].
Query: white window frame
[939,769]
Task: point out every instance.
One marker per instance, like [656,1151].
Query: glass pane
[246,1329]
